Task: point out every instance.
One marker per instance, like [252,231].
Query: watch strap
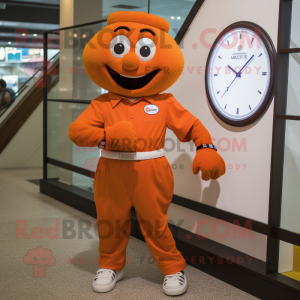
[207,146]
[102,144]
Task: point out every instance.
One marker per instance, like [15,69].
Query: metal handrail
[75,26]
[40,69]
[22,88]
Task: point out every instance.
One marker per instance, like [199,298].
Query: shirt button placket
[130,115]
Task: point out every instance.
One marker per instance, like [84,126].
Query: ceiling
[37,16]
[33,2]
[31,18]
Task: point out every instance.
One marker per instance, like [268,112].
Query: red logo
[147,109]
[91,164]
[39,258]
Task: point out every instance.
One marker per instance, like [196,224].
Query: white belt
[133,155]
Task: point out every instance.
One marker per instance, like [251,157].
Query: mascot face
[134,55]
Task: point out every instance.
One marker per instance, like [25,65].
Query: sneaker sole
[176,292]
[108,288]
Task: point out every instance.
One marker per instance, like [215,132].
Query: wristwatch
[102,144]
[207,146]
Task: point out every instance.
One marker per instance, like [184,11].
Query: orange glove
[208,161]
[121,137]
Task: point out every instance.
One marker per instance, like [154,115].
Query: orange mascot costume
[135,59]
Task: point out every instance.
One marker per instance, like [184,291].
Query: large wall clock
[240,73]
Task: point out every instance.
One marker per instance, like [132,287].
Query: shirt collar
[115,99]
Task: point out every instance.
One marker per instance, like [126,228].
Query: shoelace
[174,278]
[105,273]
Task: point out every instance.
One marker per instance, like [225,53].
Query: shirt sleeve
[87,130]
[7,97]
[179,119]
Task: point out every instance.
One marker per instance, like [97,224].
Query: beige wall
[75,12]
[66,17]
[243,191]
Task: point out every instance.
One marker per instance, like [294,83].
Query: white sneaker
[175,284]
[106,279]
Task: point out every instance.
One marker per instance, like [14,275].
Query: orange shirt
[150,116]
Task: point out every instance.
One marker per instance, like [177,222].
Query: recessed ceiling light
[84,35]
[23,34]
[34,34]
[125,6]
[9,42]
[75,35]
[172,17]
[178,18]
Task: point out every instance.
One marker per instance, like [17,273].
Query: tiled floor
[64,278]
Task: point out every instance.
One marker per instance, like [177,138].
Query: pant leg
[113,204]
[151,198]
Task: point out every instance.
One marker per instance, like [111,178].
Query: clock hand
[225,92]
[236,73]
[230,85]
[240,72]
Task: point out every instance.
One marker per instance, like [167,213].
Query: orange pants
[147,185]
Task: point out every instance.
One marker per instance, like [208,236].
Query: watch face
[239,75]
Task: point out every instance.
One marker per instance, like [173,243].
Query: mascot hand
[210,163]
[121,137]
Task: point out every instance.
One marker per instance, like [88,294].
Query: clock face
[239,75]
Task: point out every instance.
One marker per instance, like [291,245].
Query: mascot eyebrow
[122,27]
[149,30]
[142,30]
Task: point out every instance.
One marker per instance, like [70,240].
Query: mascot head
[134,55]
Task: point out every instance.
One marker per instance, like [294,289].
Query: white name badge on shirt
[151,109]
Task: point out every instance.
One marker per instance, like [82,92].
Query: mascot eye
[145,49]
[119,46]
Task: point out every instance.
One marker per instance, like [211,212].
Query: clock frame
[265,38]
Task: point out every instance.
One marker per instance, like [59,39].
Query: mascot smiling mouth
[131,82]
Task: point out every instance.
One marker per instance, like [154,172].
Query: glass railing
[65,102]
[33,81]
[67,162]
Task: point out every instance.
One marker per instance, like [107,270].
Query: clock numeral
[252,40]
[260,55]
[264,73]
[240,36]
[215,75]
[228,43]
[237,111]
[250,107]
[220,57]
[259,92]
[218,92]
[225,106]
